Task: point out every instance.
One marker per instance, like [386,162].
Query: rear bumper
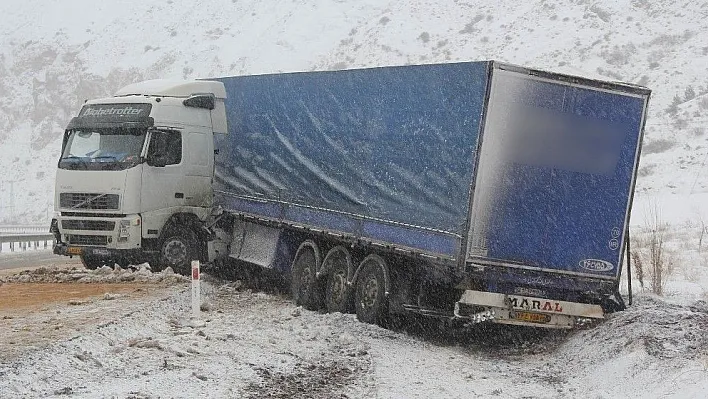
[479,306]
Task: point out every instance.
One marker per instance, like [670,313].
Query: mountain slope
[56,54]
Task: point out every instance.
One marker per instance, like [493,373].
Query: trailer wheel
[337,292]
[179,248]
[370,295]
[92,263]
[305,289]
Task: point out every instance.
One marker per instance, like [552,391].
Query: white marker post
[196,293]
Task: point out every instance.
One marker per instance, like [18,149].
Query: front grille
[77,239]
[88,201]
[93,215]
[94,225]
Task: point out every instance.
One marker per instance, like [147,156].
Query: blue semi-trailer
[477,191]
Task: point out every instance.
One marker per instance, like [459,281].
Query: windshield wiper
[74,160]
[105,157]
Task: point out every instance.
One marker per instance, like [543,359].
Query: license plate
[531,317]
[101,252]
[74,251]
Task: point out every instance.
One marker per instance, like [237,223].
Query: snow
[55,54]
[254,344]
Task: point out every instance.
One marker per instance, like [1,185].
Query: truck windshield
[102,149]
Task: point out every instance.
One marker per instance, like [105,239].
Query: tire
[155,262]
[305,289]
[337,289]
[178,250]
[370,295]
[92,263]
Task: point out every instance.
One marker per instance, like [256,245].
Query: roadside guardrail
[25,241]
[23,228]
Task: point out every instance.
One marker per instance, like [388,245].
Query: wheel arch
[183,219]
[305,245]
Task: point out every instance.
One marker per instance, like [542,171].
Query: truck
[471,191]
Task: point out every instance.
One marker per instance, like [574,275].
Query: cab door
[199,169]
[164,187]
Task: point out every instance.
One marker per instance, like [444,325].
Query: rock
[103,270]
[297,311]
[64,391]
[196,323]
[144,343]
[143,271]
[76,276]
[200,376]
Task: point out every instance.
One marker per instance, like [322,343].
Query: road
[34,258]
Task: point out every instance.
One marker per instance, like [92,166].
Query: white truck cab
[134,179]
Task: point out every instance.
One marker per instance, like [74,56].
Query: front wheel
[92,263]
[179,249]
[370,296]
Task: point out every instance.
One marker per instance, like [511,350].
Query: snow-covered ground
[54,54]
[254,344]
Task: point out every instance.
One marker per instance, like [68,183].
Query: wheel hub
[305,280]
[175,251]
[370,292]
[339,286]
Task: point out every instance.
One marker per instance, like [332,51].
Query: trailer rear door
[556,172]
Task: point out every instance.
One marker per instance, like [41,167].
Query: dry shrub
[651,256]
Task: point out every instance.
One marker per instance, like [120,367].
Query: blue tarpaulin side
[394,144]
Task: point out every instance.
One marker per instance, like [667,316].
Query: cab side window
[166,147]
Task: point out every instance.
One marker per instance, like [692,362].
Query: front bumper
[122,232]
[61,248]
[109,238]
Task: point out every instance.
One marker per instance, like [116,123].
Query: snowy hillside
[55,54]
